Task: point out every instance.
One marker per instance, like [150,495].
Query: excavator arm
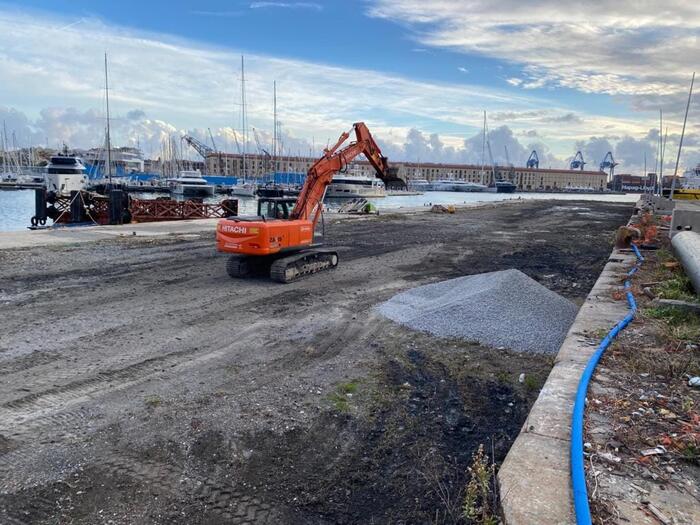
[320,175]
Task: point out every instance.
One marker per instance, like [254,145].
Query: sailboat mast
[243,117]
[680,144]
[109,144]
[483,148]
[4,148]
[274,124]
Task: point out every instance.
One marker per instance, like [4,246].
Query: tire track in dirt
[220,497]
[39,404]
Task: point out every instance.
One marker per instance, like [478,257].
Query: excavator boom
[265,241]
[320,175]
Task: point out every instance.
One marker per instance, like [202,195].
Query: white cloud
[616,47]
[192,85]
[184,86]
[463,69]
[287,5]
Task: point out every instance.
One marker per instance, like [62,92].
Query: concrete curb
[535,479]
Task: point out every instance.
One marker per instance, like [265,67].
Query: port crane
[533,161]
[199,146]
[608,163]
[280,238]
[577,163]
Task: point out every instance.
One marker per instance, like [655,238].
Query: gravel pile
[499,309]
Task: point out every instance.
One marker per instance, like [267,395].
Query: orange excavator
[280,238]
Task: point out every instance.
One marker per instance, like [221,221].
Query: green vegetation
[153,401]
[599,333]
[503,377]
[478,507]
[690,453]
[681,324]
[677,287]
[531,383]
[663,255]
[343,392]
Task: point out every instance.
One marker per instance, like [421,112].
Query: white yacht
[354,186]
[462,185]
[443,185]
[419,185]
[691,178]
[246,189]
[191,184]
[65,173]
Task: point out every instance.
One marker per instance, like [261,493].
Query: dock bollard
[77,211]
[116,206]
[39,207]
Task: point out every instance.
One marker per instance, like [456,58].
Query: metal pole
[680,144]
[658,150]
[243,118]
[109,147]
[274,123]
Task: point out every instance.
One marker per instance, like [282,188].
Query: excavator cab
[276,207]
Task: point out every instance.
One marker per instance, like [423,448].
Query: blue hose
[578,475]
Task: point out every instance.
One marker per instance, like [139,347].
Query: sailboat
[500,185]
[690,187]
[243,189]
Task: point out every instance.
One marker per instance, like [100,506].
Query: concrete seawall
[535,480]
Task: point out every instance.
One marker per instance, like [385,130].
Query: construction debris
[357,206]
[439,208]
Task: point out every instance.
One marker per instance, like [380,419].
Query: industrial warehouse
[526,178]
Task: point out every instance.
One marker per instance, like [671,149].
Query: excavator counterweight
[279,240]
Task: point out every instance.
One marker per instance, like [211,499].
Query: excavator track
[301,265]
[242,266]
[238,266]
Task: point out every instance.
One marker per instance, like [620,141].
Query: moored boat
[353,186]
[65,173]
[190,184]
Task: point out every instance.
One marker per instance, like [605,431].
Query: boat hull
[194,191]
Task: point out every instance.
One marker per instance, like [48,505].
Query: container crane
[577,163]
[608,163]
[280,238]
[533,160]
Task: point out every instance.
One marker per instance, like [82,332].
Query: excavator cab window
[275,208]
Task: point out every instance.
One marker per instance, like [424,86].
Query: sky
[555,76]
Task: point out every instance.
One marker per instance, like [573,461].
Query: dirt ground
[643,421]
[140,384]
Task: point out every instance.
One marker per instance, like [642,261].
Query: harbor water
[17,207]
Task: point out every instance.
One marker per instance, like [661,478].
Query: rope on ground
[87,209]
[578,475]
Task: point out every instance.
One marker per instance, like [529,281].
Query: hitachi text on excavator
[280,239]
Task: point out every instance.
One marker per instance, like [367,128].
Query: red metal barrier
[152,210]
[141,210]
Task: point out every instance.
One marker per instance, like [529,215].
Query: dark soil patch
[405,458]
